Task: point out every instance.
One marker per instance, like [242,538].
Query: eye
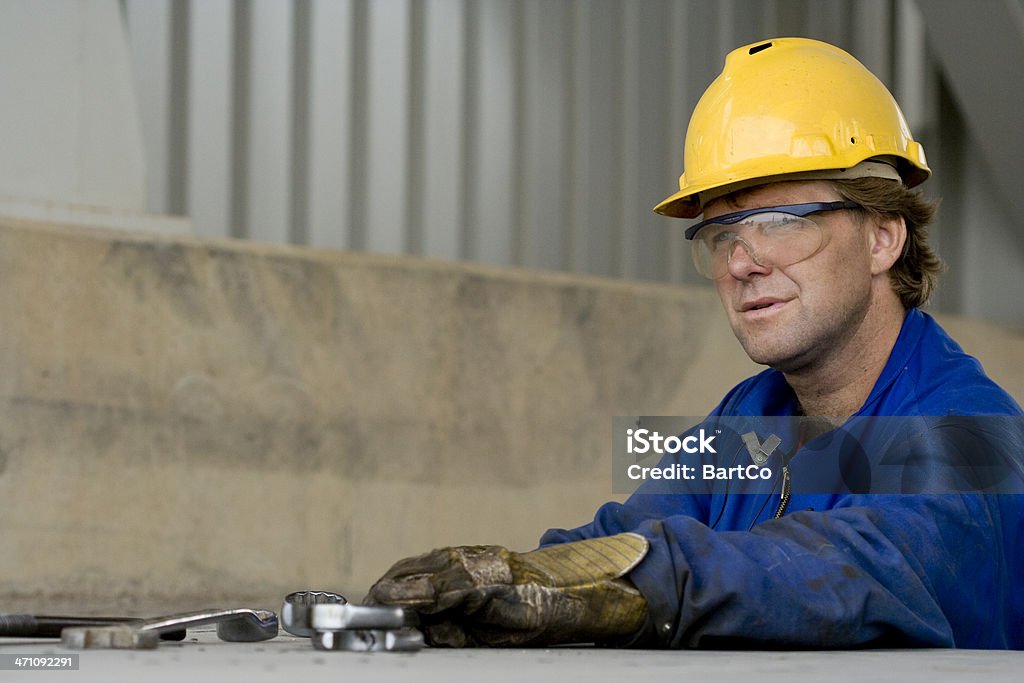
[720,238]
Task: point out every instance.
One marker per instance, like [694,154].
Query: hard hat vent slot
[757,48]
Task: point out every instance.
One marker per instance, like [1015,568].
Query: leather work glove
[487,595]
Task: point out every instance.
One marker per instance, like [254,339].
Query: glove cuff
[593,560]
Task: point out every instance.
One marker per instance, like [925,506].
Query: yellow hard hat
[791,107]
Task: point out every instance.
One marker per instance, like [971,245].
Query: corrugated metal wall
[525,132]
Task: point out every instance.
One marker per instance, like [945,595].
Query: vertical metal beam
[209,171]
[913,80]
[563,235]
[831,21]
[517,244]
[625,237]
[240,86]
[948,161]
[545,139]
[495,205]
[270,113]
[679,116]
[981,51]
[602,83]
[150,38]
[178,99]
[416,144]
[872,37]
[387,131]
[436,206]
[650,146]
[299,195]
[330,122]
[792,17]
[357,133]
[468,238]
[747,22]
[577,126]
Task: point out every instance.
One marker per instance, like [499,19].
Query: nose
[743,261]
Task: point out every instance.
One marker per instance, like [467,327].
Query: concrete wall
[189,422]
[187,419]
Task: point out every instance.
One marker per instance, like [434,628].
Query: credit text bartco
[642,441]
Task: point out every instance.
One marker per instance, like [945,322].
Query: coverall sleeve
[873,571]
[616,518]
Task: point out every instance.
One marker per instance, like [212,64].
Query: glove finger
[467,585]
[427,563]
[510,618]
[458,632]
[409,582]
[446,634]
[515,608]
[445,579]
[474,567]
[416,592]
[423,594]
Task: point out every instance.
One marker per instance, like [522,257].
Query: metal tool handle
[235,625]
[369,640]
[343,617]
[50,626]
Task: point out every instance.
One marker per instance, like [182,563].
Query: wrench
[370,640]
[346,617]
[50,626]
[296,610]
[234,625]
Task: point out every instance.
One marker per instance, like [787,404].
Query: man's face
[792,317]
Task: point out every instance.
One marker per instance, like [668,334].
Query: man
[801,163]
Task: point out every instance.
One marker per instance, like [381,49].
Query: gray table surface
[202,657]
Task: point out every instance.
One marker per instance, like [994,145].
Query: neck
[837,386]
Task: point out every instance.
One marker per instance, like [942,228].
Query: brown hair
[916,273]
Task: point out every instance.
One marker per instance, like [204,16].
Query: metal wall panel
[496,120]
[331,92]
[149,33]
[535,133]
[438,181]
[208,168]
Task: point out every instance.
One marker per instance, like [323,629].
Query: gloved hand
[487,595]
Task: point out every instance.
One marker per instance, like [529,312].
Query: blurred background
[244,379]
[533,133]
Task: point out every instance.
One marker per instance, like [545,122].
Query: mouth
[761,307]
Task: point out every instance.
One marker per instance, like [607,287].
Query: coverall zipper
[784,502]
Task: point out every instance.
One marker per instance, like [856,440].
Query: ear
[886,239]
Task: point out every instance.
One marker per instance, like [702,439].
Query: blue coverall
[837,570]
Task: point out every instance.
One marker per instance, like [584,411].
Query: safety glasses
[772,236]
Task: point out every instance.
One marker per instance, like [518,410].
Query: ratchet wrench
[241,625]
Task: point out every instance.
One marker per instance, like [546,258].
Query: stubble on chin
[783,345]
[765,350]
[801,342]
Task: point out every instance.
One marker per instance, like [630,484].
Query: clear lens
[770,239]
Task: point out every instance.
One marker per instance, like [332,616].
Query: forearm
[849,577]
